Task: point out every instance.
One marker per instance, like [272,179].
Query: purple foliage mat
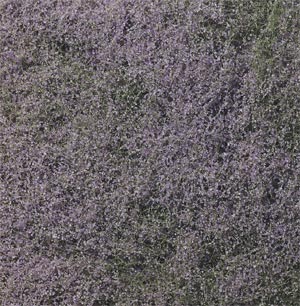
[149,152]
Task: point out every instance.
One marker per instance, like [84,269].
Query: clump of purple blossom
[149,152]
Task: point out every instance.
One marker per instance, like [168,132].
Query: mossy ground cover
[149,152]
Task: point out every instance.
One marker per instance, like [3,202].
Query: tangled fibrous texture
[149,152]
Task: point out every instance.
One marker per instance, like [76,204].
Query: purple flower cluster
[149,152]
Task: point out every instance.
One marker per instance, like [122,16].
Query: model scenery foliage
[149,152]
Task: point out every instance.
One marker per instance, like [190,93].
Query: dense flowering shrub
[149,152]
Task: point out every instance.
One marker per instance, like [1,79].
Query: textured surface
[149,152]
